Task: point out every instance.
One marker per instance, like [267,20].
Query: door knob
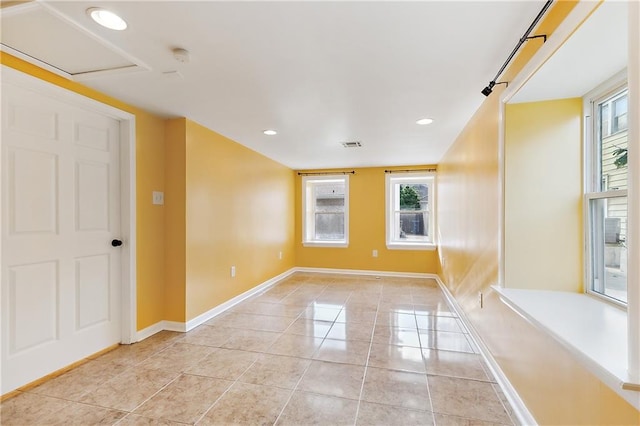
[116,243]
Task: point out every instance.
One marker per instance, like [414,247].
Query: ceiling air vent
[353,144]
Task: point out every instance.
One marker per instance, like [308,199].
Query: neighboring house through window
[325,203]
[613,114]
[409,211]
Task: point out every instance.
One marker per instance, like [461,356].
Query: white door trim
[127,183]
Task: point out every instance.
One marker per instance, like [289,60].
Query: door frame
[128,311]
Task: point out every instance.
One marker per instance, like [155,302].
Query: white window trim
[408,177]
[325,243]
[604,92]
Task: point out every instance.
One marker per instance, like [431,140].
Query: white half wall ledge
[597,337]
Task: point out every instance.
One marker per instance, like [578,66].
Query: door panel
[92,196]
[33,179]
[33,120]
[33,320]
[61,287]
[92,288]
[92,136]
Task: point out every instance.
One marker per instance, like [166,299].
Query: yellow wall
[175,220]
[366,232]
[239,213]
[150,219]
[226,206]
[543,195]
[553,385]
[149,177]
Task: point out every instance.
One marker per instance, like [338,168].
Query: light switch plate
[158,198]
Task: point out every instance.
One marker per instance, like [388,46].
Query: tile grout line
[426,373]
[180,374]
[295,387]
[71,401]
[183,372]
[247,369]
[326,289]
[366,366]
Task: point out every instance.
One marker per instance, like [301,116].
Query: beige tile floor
[314,349]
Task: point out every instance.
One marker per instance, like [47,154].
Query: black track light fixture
[489,89]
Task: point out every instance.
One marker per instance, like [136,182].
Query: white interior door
[61,276]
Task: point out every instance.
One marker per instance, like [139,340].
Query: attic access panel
[38,35]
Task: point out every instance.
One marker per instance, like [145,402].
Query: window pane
[329,197]
[612,148]
[413,196]
[412,226]
[329,226]
[329,190]
[608,227]
[619,114]
[330,204]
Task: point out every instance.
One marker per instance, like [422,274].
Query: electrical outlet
[233,271]
[158,198]
[374,253]
[280,255]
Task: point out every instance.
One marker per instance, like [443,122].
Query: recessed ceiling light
[270,132]
[424,121]
[107,18]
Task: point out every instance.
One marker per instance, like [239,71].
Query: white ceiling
[320,73]
[593,54]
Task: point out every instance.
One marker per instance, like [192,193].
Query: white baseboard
[206,316]
[183,327]
[160,326]
[174,326]
[149,331]
[520,410]
[202,318]
[365,272]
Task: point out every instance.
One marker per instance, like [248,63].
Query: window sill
[340,244]
[596,333]
[411,246]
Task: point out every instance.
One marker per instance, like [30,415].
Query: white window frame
[409,178]
[594,186]
[308,217]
